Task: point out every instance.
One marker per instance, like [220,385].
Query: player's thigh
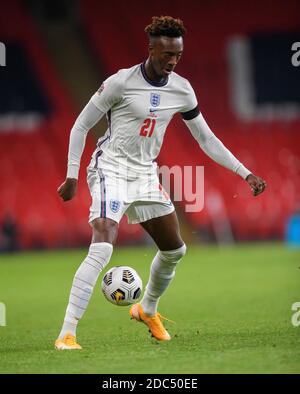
[165,231]
[104,230]
[107,206]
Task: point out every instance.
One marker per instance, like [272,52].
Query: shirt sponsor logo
[155,99]
[114,205]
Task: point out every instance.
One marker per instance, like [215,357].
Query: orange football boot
[154,323]
[68,342]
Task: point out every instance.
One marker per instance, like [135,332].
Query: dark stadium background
[234,302]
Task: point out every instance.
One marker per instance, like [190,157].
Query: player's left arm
[215,149]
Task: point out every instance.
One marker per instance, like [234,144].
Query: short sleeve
[109,93]
[190,99]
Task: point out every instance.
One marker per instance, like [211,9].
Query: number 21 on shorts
[148,127]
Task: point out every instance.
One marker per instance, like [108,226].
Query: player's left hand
[256,183]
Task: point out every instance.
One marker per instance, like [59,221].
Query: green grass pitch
[232,308]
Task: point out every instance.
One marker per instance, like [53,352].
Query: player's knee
[180,252]
[104,230]
[173,255]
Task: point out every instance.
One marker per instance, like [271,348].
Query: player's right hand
[67,190]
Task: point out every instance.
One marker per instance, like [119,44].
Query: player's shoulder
[181,83]
[118,81]
[125,74]
[115,84]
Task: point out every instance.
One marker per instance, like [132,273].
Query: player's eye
[177,55]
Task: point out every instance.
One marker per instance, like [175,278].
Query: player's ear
[150,48]
[151,45]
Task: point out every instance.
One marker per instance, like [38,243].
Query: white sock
[161,273]
[83,284]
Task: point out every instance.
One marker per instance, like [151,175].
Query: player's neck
[151,74]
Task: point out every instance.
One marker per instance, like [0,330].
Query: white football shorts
[140,198]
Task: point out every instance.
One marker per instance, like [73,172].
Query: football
[122,285]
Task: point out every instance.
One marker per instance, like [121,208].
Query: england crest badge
[155,99]
[114,205]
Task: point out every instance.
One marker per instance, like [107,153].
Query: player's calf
[161,274]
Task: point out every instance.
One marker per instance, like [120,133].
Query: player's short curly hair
[165,26]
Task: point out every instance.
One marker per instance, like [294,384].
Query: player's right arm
[87,119]
[109,94]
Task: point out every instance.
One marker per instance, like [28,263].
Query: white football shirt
[138,113]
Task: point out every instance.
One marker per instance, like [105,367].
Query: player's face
[165,53]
